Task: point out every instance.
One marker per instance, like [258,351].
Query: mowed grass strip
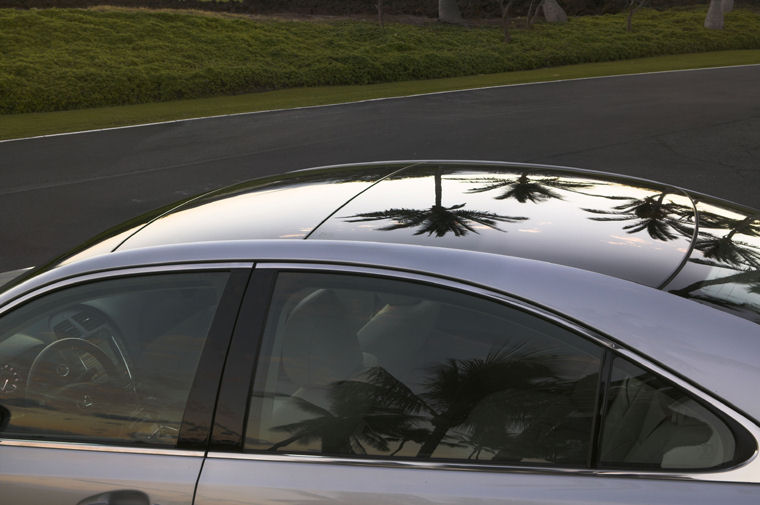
[46,123]
[61,59]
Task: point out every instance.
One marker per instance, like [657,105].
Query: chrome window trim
[121,272]
[745,472]
[449,283]
[469,467]
[77,446]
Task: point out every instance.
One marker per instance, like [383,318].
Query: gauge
[10,380]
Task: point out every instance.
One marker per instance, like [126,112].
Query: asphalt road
[698,129]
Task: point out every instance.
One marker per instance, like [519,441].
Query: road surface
[698,129]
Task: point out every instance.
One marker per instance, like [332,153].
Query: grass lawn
[61,59]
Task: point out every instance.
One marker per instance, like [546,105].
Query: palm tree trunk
[530,11]
[553,12]
[433,440]
[633,7]
[448,12]
[535,13]
[438,190]
[505,19]
[714,18]
[398,449]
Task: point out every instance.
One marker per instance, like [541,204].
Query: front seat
[319,350]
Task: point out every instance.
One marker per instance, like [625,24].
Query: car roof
[594,221]
[715,350]
[692,245]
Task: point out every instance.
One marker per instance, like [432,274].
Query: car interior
[335,355]
[113,361]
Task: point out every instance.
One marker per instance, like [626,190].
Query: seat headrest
[319,343]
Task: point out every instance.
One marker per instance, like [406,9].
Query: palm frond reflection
[502,406]
[726,249]
[662,220]
[438,219]
[525,189]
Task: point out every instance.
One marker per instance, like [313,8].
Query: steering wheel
[73,371]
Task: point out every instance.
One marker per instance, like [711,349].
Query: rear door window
[364,366]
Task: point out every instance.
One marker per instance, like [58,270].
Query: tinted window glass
[368,366]
[110,361]
[649,423]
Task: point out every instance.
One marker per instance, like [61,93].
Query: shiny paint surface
[723,270]
[236,482]
[34,476]
[628,231]
[629,228]
[289,206]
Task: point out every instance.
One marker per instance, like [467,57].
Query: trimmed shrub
[57,59]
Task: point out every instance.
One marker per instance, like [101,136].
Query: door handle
[121,497]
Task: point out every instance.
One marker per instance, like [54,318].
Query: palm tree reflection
[730,247]
[501,405]
[489,400]
[523,188]
[725,250]
[662,220]
[374,411]
[438,220]
[750,279]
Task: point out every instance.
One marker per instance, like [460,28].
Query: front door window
[110,361]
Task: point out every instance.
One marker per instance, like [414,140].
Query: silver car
[393,333]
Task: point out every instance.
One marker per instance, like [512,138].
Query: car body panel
[627,227]
[35,475]
[675,332]
[229,481]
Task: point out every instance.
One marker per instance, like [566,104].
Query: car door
[108,382]
[372,386]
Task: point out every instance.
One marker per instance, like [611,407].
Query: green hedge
[58,59]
